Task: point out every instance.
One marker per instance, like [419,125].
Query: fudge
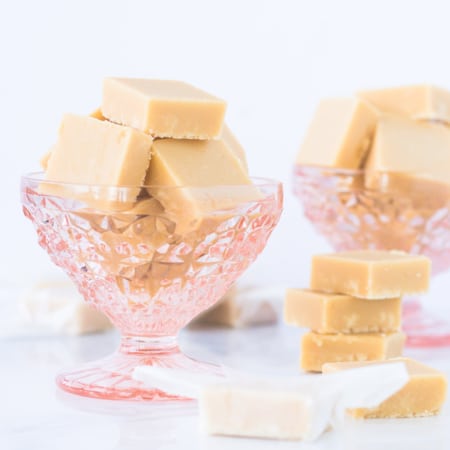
[190,165]
[57,306]
[335,313]
[423,395]
[404,145]
[371,274]
[163,108]
[255,411]
[94,152]
[339,135]
[426,102]
[318,349]
[241,307]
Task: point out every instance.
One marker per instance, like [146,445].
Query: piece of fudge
[318,349]
[403,145]
[181,169]
[335,313]
[241,307]
[256,411]
[424,101]
[371,274]
[96,154]
[423,395]
[57,306]
[163,108]
[339,134]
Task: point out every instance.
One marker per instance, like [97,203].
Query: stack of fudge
[354,306]
[404,130]
[149,132]
[354,312]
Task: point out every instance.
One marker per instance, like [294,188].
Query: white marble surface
[34,414]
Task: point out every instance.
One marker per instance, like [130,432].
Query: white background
[271,60]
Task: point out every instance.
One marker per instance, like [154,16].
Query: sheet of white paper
[330,394]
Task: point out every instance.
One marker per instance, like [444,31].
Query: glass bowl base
[111,378]
[422,328]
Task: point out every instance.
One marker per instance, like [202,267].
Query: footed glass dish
[148,271]
[354,210]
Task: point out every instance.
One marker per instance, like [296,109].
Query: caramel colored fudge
[335,313]
[163,108]
[339,135]
[96,114]
[423,395]
[194,165]
[417,102]
[318,349]
[404,145]
[371,274]
[95,152]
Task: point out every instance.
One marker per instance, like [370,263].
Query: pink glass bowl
[148,274]
[394,213]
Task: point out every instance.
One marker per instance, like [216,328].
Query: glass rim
[355,172]
[38,177]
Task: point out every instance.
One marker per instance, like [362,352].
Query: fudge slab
[423,395]
[58,307]
[241,307]
[404,145]
[417,102]
[188,166]
[339,134]
[95,152]
[371,274]
[334,313]
[319,349]
[163,108]
[255,411]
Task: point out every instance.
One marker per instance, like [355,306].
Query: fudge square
[336,313]
[423,395]
[421,102]
[371,274]
[427,146]
[258,409]
[189,166]
[319,349]
[349,124]
[96,154]
[163,108]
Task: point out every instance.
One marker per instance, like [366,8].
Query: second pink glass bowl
[148,278]
[395,213]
